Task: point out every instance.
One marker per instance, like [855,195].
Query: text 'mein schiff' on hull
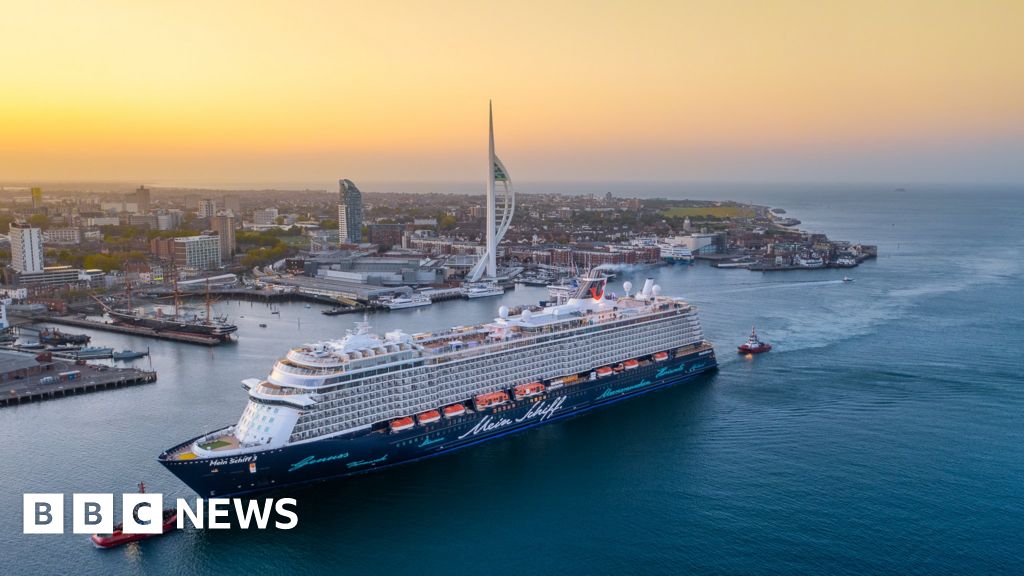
[366,402]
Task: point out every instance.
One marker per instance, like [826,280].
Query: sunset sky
[221,92]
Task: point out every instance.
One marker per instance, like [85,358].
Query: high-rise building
[37,197]
[233,204]
[350,213]
[224,225]
[497,224]
[26,248]
[197,252]
[207,208]
[142,200]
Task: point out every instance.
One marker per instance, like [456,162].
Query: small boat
[402,424]
[309,306]
[492,399]
[753,345]
[31,346]
[429,417]
[334,311]
[604,371]
[127,354]
[528,390]
[631,364]
[275,311]
[847,279]
[661,356]
[454,410]
[263,325]
[118,537]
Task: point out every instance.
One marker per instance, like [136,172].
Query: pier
[132,330]
[24,379]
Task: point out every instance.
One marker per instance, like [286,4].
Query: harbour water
[882,434]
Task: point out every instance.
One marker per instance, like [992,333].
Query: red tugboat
[118,537]
[753,345]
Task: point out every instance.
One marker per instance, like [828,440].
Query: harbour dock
[24,379]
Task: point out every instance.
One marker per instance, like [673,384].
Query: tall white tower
[26,248]
[497,224]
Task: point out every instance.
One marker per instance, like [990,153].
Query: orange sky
[307,91]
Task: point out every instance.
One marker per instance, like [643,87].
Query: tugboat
[118,537]
[753,345]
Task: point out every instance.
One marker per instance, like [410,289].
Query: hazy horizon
[276,92]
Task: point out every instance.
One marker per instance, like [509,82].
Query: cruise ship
[366,402]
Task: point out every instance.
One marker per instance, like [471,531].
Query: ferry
[368,402]
[401,302]
[674,254]
[482,290]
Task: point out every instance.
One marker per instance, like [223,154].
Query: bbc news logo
[142,513]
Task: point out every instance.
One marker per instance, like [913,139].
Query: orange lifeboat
[631,364]
[402,424]
[493,399]
[528,390]
[454,410]
[604,371]
[661,356]
[429,417]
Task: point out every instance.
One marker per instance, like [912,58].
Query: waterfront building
[26,248]
[58,276]
[496,225]
[264,217]
[197,252]
[350,213]
[224,225]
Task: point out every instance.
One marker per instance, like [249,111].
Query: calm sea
[883,434]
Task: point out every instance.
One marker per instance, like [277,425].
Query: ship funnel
[648,288]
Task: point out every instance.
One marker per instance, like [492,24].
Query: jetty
[25,378]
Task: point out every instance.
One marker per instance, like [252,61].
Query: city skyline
[906,91]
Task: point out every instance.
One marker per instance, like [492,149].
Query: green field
[713,211]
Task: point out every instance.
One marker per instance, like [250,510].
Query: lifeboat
[661,356]
[619,368]
[556,384]
[528,390]
[454,410]
[493,399]
[402,424]
[429,417]
[604,371]
[118,537]
[631,364]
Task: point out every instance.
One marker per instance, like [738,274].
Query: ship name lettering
[314,460]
